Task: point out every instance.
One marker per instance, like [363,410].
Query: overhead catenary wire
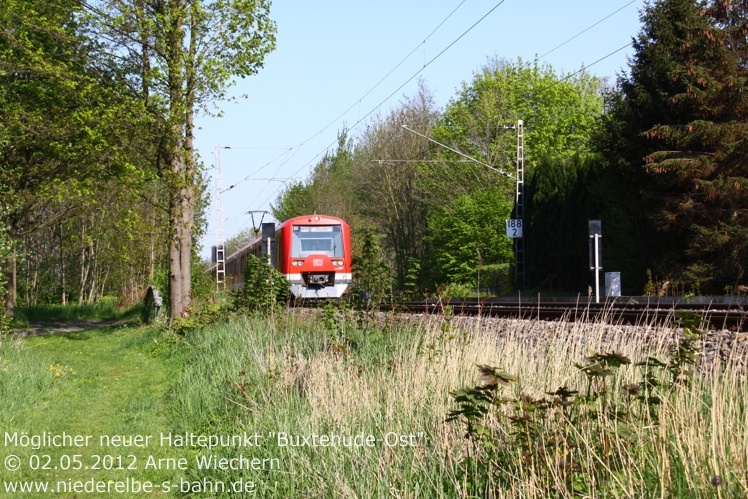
[358,101]
[570,75]
[421,161]
[460,153]
[411,78]
[249,177]
[376,85]
[420,70]
[586,29]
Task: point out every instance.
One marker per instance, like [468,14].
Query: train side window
[276,245]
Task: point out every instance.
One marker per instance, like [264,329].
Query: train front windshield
[317,240]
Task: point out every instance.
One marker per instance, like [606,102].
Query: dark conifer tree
[678,128]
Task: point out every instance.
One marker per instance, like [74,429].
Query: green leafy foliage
[264,289]
[391,193]
[562,194]
[560,112]
[184,56]
[372,280]
[296,200]
[439,217]
[468,243]
[97,109]
[240,240]
[328,189]
[79,203]
[412,286]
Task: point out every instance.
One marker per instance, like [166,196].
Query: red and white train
[312,251]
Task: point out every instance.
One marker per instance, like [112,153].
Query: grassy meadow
[343,404]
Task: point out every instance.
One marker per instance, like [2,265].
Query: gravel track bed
[722,346]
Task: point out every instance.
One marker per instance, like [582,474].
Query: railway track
[731,316]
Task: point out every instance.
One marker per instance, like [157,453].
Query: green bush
[264,288]
[104,309]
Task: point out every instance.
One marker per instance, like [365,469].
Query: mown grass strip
[108,387]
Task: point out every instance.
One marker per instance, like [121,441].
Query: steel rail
[713,315]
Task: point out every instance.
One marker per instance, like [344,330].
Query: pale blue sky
[331,54]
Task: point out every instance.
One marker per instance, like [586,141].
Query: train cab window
[317,240]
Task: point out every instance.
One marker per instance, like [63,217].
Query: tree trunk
[182,101]
[189,192]
[11,274]
[179,255]
[83,264]
[11,271]
[62,268]
[152,253]
[180,181]
[104,279]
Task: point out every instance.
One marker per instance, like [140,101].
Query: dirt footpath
[62,327]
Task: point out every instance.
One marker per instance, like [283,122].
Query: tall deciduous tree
[186,54]
[58,132]
[295,200]
[559,113]
[680,123]
[391,189]
[328,189]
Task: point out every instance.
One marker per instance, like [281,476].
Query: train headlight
[337,263]
[297,263]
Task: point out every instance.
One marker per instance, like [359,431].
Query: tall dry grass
[304,377]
